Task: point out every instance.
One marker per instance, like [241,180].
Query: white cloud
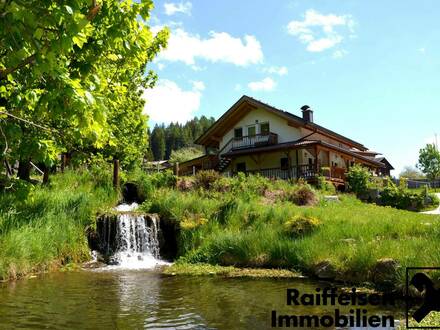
[160,66]
[167,102]
[421,50]
[198,85]
[218,47]
[267,84]
[279,70]
[237,87]
[317,31]
[182,7]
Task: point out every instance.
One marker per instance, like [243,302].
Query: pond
[146,299]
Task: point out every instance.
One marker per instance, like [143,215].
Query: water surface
[146,300]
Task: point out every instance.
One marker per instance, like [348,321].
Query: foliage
[205,179]
[326,186]
[184,154]
[410,172]
[242,230]
[303,195]
[300,225]
[166,139]
[429,161]
[402,198]
[358,178]
[71,78]
[44,227]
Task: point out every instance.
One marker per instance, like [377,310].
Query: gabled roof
[245,104]
[386,162]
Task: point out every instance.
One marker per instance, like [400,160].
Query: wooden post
[176,169]
[194,170]
[46,174]
[63,162]
[115,173]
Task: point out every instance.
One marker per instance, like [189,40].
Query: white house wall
[277,125]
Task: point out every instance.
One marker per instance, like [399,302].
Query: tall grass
[244,228]
[44,227]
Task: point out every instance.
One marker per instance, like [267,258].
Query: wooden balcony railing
[295,172]
[252,141]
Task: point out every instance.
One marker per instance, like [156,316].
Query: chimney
[307,113]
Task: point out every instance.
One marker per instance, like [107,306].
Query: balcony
[252,141]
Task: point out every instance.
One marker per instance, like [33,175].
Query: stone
[384,273]
[325,270]
[332,198]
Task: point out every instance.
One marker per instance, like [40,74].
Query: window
[284,163]
[310,161]
[241,167]
[264,128]
[251,130]
[238,132]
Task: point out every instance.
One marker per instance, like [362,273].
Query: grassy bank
[247,222]
[44,227]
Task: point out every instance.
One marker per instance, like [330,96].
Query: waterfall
[135,239]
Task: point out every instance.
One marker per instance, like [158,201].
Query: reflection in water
[147,300]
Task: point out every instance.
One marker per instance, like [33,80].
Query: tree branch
[27,121]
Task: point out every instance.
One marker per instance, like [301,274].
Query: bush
[303,195]
[358,178]
[402,199]
[326,186]
[300,226]
[205,179]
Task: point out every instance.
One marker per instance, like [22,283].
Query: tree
[69,72]
[158,142]
[429,161]
[410,172]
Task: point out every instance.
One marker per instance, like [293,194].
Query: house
[254,137]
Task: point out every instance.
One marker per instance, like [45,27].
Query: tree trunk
[115,173]
[63,162]
[9,171]
[46,174]
[24,169]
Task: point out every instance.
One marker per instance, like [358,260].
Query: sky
[370,70]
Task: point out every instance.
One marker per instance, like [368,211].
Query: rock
[325,270]
[331,198]
[93,265]
[384,273]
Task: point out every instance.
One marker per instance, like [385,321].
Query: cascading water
[131,239]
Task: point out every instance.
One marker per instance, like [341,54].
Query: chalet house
[254,137]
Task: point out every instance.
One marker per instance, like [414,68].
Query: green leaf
[69,9]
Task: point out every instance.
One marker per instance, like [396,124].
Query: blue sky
[369,69]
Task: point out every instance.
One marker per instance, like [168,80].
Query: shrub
[325,185]
[185,184]
[300,225]
[205,179]
[358,178]
[303,195]
[400,198]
